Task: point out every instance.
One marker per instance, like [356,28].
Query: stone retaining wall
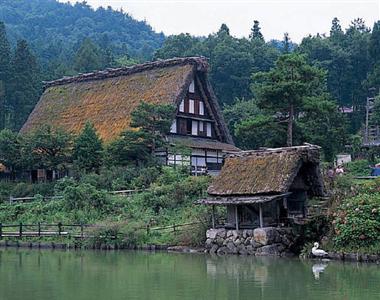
[260,241]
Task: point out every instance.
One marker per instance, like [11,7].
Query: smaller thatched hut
[265,187]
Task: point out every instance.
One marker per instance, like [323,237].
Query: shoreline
[333,256]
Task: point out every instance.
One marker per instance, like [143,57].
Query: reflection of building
[107,99]
[264,187]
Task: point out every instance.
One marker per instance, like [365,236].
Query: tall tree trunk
[289,141]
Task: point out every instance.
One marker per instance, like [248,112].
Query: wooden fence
[124,193]
[73,230]
[44,230]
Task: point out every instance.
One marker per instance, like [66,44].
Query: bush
[357,222]
[84,195]
[358,167]
[23,189]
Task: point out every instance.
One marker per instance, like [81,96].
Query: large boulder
[266,236]
[213,233]
[208,244]
[214,249]
[269,250]
[232,248]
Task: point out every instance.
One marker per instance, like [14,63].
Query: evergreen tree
[88,150]
[256,32]
[223,30]
[26,84]
[5,58]
[10,150]
[286,43]
[151,123]
[87,58]
[283,89]
[336,32]
[374,43]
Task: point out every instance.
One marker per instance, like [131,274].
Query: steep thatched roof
[107,98]
[268,172]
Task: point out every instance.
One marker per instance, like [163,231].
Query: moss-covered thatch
[270,171]
[202,143]
[107,98]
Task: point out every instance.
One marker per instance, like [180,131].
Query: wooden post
[147,228]
[1,231]
[39,229]
[261,215]
[20,230]
[213,216]
[59,228]
[236,218]
[81,231]
[174,227]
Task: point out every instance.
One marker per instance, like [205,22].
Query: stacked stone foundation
[268,241]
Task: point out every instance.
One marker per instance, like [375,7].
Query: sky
[201,17]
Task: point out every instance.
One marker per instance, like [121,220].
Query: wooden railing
[22,230]
[30,199]
[43,230]
[125,193]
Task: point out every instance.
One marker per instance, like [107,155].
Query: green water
[88,275]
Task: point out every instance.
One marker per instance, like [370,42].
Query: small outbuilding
[266,187]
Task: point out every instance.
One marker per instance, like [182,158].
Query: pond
[91,275]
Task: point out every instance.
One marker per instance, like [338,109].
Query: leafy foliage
[357,222]
[47,148]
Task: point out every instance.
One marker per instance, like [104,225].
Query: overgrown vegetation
[354,224]
[167,200]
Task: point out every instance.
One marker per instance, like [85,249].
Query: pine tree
[223,30]
[88,58]
[256,32]
[26,84]
[336,32]
[5,57]
[284,89]
[88,150]
[374,43]
[286,43]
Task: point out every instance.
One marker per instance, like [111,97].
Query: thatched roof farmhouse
[281,178]
[107,99]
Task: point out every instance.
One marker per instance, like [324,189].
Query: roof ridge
[199,61]
[267,151]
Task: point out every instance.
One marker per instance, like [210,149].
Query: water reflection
[318,269]
[137,275]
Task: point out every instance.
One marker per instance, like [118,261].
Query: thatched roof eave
[235,200]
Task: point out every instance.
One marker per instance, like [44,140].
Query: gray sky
[201,17]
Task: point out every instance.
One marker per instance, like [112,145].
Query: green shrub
[23,189]
[84,195]
[104,234]
[358,167]
[357,221]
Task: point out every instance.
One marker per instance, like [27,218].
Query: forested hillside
[56,30]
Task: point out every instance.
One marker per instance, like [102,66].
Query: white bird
[318,252]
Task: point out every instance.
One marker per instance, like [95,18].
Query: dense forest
[45,39]
[56,30]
